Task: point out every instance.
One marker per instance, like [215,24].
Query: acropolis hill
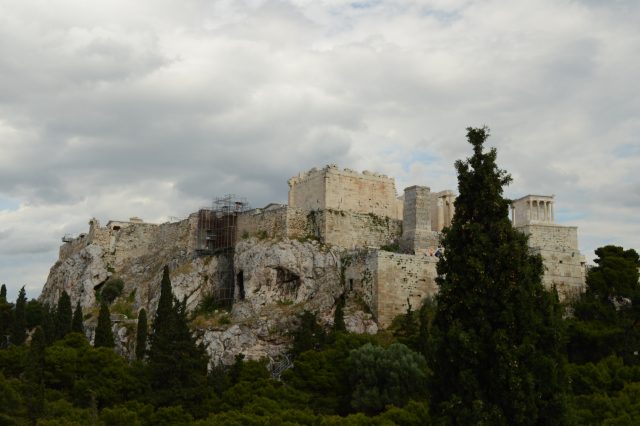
[342,233]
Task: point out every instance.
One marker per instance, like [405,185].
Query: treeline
[493,348]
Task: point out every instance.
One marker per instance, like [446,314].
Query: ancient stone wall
[564,264]
[350,230]
[401,277]
[345,190]
[386,280]
[262,223]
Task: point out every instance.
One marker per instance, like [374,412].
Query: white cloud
[115,109]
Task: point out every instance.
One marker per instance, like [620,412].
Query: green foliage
[77,325]
[34,312]
[338,316]
[141,335]
[34,374]
[19,331]
[324,374]
[6,317]
[111,290]
[394,248]
[385,376]
[174,349]
[63,316]
[608,313]
[104,334]
[309,335]
[497,334]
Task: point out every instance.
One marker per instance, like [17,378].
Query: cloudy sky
[149,108]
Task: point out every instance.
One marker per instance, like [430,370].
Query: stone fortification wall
[386,280]
[401,277]
[564,264]
[281,222]
[350,230]
[552,237]
[345,190]
[266,223]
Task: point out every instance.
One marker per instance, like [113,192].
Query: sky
[112,109]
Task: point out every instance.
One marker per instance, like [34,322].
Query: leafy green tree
[497,334]
[111,289]
[77,324]
[63,315]
[607,315]
[19,333]
[386,376]
[141,335]
[104,334]
[173,349]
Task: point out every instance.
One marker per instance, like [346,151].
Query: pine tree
[63,315]
[174,349]
[77,324]
[19,334]
[3,293]
[141,335]
[497,334]
[104,335]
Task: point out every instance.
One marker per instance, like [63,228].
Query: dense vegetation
[494,347]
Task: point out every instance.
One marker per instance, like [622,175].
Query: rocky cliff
[269,282]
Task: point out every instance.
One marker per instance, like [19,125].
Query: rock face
[269,282]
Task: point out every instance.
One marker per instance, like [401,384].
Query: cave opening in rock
[288,282]
[240,284]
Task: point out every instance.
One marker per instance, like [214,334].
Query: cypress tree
[63,315]
[6,316]
[497,334]
[174,349]
[77,325]
[19,333]
[338,317]
[48,323]
[34,374]
[104,335]
[141,335]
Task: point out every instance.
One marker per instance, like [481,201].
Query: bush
[111,289]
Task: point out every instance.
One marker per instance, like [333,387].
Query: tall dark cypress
[63,315]
[3,293]
[48,323]
[19,333]
[77,325]
[174,349]
[497,334]
[104,335]
[34,373]
[141,335]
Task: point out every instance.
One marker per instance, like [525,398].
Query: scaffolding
[217,225]
[216,235]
